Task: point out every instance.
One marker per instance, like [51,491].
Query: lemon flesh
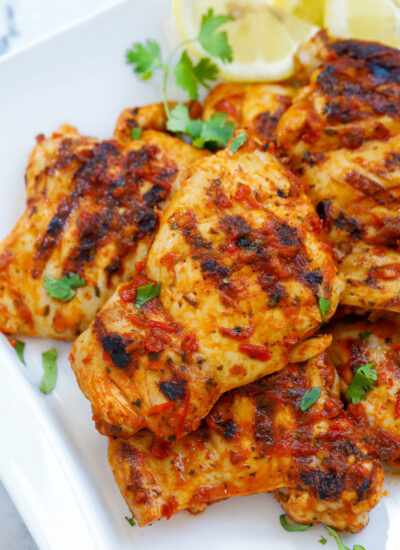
[263,37]
[365,20]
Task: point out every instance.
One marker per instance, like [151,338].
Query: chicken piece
[243,262]
[149,117]
[92,209]
[338,135]
[256,107]
[257,439]
[352,98]
[358,342]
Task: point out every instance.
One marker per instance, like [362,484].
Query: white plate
[52,460]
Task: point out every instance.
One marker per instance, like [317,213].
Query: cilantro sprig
[63,289]
[363,381]
[146,58]
[339,542]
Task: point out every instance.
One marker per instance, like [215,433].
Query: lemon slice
[263,37]
[308,10]
[364,19]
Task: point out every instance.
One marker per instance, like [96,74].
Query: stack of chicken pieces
[199,389]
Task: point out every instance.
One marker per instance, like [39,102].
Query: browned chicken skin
[257,439]
[242,261]
[92,209]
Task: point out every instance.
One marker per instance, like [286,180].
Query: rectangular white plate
[52,460]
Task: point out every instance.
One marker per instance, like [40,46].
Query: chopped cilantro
[49,360]
[62,289]
[131,521]
[146,293]
[363,381]
[324,306]
[136,132]
[309,398]
[238,142]
[364,335]
[19,350]
[295,527]
[322,540]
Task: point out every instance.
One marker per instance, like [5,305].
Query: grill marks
[276,251]
[107,184]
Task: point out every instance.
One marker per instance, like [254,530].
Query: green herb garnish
[145,58]
[309,398]
[322,540]
[19,349]
[295,527]
[131,521]
[363,381]
[49,359]
[146,293]
[238,142]
[364,335]
[62,289]
[339,543]
[324,306]
[136,132]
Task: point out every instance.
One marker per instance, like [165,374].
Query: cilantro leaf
[216,131]
[179,119]
[136,132]
[238,142]
[131,521]
[189,76]
[62,289]
[309,398]
[295,527]
[363,381]
[205,70]
[146,293]
[49,359]
[322,540]
[145,58]
[364,335]
[19,350]
[185,76]
[324,306]
[216,44]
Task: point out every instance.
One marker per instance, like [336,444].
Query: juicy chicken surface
[256,107]
[357,342]
[340,136]
[92,209]
[242,260]
[257,439]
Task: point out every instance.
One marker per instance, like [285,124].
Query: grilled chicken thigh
[357,342]
[257,439]
[92,210]
[242,262]
[340,134]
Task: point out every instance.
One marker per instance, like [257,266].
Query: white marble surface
[23,22]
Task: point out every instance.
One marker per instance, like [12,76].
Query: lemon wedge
[263,37]
[364,19]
